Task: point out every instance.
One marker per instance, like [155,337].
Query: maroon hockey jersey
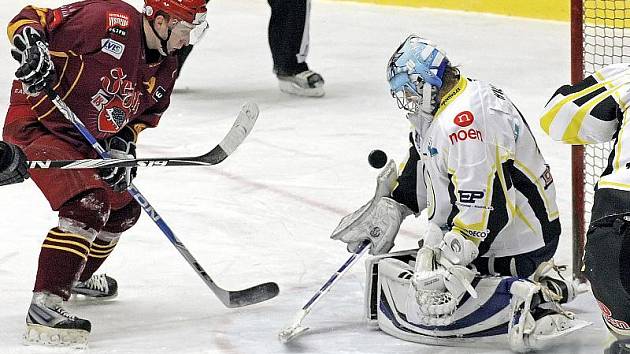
[105,73]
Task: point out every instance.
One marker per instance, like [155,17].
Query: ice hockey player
[115,68]
[592,111]
[289,40]
[484,270]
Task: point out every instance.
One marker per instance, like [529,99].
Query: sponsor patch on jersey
[470,196]
[478,234]
[112,47]
[159,93]
[117,31]
[117,23]
[547,177]
[465,134]
[464,119]
[118,20]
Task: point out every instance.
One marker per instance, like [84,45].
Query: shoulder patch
[117,23]
[112,47]
[464,118]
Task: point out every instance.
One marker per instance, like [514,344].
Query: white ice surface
[265,214]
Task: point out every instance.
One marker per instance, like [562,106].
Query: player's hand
[377,221]
[13,168]
[36,68]
[120,146]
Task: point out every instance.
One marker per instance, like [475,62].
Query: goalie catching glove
[120,146]
[378,220]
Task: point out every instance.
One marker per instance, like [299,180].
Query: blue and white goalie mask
[415,72]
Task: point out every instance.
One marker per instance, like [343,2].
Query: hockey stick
[230,299]
[295,329]
[239,131]
[213,157]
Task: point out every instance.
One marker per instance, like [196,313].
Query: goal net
[600,35]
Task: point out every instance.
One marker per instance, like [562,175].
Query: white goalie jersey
[477,170]
[596,111]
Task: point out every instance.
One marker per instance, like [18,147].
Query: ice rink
[266,213]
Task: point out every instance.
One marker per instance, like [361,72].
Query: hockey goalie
[484,271]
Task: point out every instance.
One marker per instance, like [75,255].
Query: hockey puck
[377,158]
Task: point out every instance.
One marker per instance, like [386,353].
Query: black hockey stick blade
[241,128]
[253,295]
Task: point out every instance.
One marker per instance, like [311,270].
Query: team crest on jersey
[464,119]
[117,23]
[116,102]
[112,47]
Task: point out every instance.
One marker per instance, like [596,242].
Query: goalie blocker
[508,310]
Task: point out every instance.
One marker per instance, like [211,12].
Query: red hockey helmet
[191,11]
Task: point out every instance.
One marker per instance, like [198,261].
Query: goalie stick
[295,329]
[240,129]
[237,298]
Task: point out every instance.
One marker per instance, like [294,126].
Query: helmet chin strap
[163,42]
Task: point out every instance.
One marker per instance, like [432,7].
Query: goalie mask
[415,72]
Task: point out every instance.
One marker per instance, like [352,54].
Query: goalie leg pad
[536,328]
[481,320]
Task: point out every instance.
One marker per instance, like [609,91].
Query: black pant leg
[289,35]
[607,267]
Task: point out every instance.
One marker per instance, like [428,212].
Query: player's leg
[536,265]
[93,286]
[83,205]
[608,270]
[289,39]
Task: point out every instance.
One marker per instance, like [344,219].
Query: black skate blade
[253,295]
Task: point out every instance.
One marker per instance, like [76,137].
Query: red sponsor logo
[607,314]
[464,119]
[117,20]
[464,134]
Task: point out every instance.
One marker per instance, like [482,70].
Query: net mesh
[606,40]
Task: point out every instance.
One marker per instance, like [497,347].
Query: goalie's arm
[410,189]
[379,220]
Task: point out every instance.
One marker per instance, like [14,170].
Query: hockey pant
[607,268]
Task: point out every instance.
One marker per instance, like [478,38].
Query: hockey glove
[378,222]
[120,146]
[13,168]
[36,68]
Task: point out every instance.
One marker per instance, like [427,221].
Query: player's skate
[97,287]
[306,83]
[533,327]
[555,286]
[48,323]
